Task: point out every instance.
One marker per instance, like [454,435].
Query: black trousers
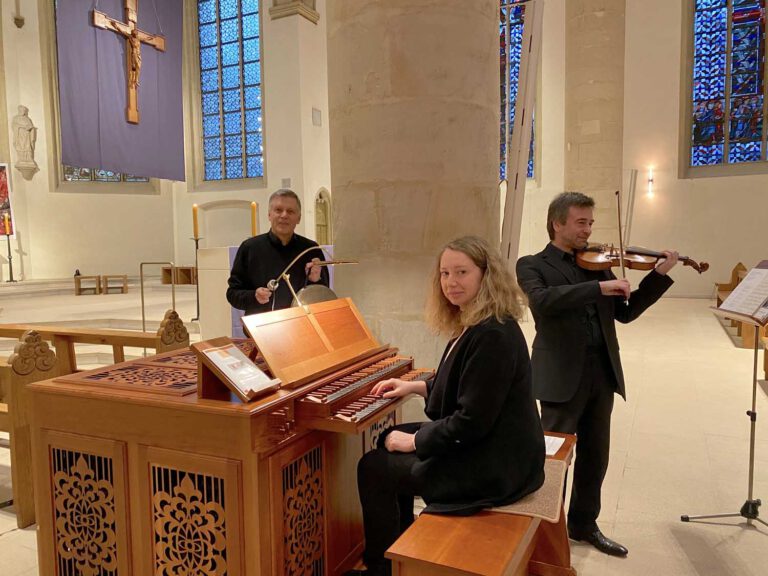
[588,415]
[386,487]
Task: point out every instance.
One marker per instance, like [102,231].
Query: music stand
[748,303]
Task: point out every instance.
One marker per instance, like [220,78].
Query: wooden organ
[153,467]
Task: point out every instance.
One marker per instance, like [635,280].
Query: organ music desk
[141,469]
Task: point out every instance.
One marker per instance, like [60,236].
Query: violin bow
[621,240]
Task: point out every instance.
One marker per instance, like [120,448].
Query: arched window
[511,22]
[230,89]
[727,84]
[323,218]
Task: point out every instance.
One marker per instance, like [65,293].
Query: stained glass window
[728,82]
[511,21]
[74,174]
[230,82]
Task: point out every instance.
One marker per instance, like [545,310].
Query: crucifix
[134,38]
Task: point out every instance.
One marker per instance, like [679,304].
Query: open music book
[750,298]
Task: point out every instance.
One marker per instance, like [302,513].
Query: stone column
[414,122]
[594,105]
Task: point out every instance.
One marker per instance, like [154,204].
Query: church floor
[680,444]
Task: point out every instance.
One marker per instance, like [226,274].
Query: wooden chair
[724,289]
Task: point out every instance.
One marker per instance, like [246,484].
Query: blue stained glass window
[230,79]
[208,35]
[253,120]
[727,93]
[233,146]
[250,50]
[209,58]
[206,11]
[255,166]
[231,99]
[212,147]
[229,30]
[230,76]
[234,168]
[211,103]
[250,26]
[211,126]
[253,97]
[511,24]
[227,8]
[213,170]
[230,54]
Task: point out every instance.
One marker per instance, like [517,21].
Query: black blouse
[484,445]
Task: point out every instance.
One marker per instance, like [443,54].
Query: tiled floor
[679,444]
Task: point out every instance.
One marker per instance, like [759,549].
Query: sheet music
[553,444]
[238,368]
[751,295]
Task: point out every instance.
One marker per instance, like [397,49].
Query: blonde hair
[499,294]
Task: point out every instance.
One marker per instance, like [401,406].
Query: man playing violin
[575,362]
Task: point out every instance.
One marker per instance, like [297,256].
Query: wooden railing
[33,361]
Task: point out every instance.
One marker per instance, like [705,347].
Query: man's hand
[671,258]
[397,441]
[615,288]
[263,295]
[312,270]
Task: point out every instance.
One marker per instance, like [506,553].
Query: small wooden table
[122,283]
[80,289]
[181,275]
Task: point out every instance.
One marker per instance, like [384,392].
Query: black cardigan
[484,445]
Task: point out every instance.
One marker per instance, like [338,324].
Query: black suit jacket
[557,302]
[484,445]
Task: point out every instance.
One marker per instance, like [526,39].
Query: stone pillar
[594,106]
[414,121]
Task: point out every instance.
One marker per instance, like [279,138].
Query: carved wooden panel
[87,491]
[164,380]
[303,515]
[371,436]
[186,359]
[194,521]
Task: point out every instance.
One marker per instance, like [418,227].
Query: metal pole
[10,259]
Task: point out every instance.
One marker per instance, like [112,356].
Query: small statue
[24,138]
[135,58]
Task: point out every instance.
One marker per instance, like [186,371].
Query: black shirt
[590,319]
[261,259]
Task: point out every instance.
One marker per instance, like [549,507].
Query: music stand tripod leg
[750,509]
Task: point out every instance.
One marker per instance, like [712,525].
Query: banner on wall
[120,86]
[6,214]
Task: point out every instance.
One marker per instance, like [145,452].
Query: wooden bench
[171,335]
[33,361]
[122,283]
[80,289]
[180,275]
[724,289]
[488,543]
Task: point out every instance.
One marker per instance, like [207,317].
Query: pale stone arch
[323,217]
[227,222]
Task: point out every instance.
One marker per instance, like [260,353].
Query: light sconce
[650,182]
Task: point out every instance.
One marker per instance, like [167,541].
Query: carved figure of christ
[134,38]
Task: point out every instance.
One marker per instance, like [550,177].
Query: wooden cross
[134,38]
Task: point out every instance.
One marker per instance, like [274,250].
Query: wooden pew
[724,289]
[488,543]
[170,336]
[34,361]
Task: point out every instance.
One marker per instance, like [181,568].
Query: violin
[604,257]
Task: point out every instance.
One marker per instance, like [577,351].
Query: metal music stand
[750,508]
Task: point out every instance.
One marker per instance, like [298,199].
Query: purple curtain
[92,91]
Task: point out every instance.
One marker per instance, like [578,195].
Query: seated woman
[484,445]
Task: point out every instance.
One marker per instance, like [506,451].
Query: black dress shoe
[599,541]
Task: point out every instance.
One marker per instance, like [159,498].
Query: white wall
[719,220]
[104,229]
